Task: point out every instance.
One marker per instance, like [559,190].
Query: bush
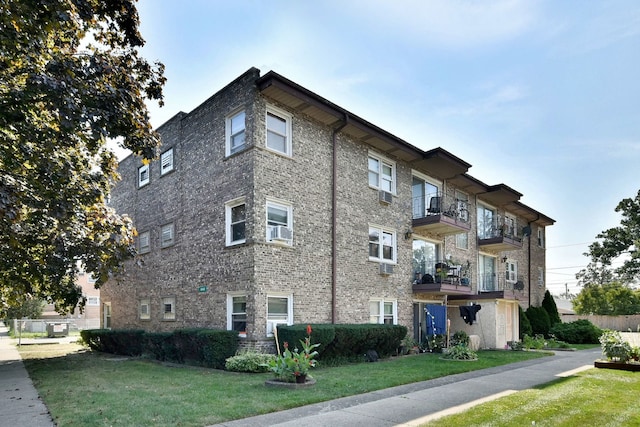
[460,352]
[539,319]
[352,341]
[578,332]
[525,325]
[124,342]
[321,334]
[249,361]
[460,337]
[614,347]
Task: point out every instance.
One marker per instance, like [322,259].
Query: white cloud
[490,103]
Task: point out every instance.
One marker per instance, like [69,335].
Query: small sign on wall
[202,289]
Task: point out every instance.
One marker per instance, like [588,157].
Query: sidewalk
[20,404]
[415,404]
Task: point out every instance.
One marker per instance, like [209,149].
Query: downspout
[529,257]
[334,217]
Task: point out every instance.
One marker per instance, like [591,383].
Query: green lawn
[596,397]
[86,388]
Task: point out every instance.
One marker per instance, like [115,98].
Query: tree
[550,306]
[616,241]
[70,79]
[611,299]
[30,308]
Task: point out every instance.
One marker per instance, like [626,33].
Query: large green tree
[71,78]
[613,299]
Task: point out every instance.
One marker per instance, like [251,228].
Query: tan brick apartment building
[270,204]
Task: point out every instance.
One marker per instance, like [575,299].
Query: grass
[81,387]
[596,397]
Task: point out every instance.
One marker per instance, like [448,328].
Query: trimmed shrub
[525,325]
[539,319]
[578,332]
[549,304]
[352,341]
[249,361]
[217,346]
[124,342]
[321,334]
[159,346]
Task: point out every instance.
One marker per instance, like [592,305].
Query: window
[106,315]
[166,161]
[425,257]
[487,273]
[462,206]
[279,223]
[512,271]
[144,311]
[279,312]
[462,241]
[91,279]
[235,217]
[144,243]
[237,314]
[235,133]
[93,301]
[382,245]
[427,196]
[510,226]
[382,173]
[540,276]
[143,175]
[278,131]
[486,222]
[541,237]
[169,308]
[385,312]
[167,235]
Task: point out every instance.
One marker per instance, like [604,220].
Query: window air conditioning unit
[281,232]
[385,197]
[386,269]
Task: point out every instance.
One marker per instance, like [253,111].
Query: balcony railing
[497,282]
[442,277]
[440,214]
[498,236]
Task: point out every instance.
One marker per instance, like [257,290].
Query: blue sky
[543,96]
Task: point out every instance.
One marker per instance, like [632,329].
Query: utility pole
[566,290]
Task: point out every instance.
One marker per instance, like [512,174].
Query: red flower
[308,329]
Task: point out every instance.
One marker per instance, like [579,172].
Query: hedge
[578,332]
[539,319]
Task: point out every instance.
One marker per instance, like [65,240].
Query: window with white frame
[279,311]
[383,312]
[382,244]
[166,161]
[382,173]
[144,309]
[237,314]
[426,194]
[144,242]
[462,240]
[486,222]
[93,301]
[235,218]
[235,133]
[540,276]
[106,315]
[91,279]
[167,235]
[169,308]
[143,175]
[541,237]
[278,131]
[279,222]
[512,271]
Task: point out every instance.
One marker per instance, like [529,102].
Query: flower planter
[607,364]
[285,384]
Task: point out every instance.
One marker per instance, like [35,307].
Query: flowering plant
[290,364]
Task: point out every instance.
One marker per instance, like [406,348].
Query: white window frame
[229,224]
[379,181]
[462,241]
[271,321]
[144,314]
[106,315]
[382,231]
[169,229]
[379,316]
[171,314]
[541,237]
[230,134]
[166,162]
[143,247]
[93,301]
[142,170]
[481,227]
[287,118]
[511,267]
[279,204]
[231,313]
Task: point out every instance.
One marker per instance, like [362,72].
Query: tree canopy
[612,299]
[71,78]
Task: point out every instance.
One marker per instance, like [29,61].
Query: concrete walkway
[20,404]
[415,404]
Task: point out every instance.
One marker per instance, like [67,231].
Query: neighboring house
[90,317]
[271,205]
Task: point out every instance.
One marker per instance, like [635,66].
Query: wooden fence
[615,323]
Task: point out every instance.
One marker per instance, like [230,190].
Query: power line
[570,244]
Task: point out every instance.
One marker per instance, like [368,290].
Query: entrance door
[487,276]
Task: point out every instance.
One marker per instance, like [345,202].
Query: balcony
[440,215]
[442,278]
[496,285]
[498,237]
